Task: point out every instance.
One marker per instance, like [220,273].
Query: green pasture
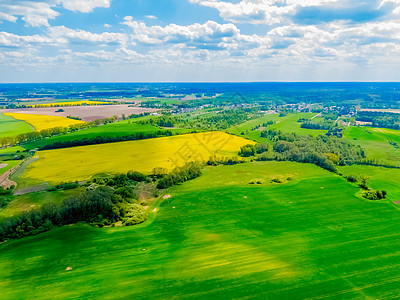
[375,142]
[247,127]
[11,127]
[289,124]
[218,237]
[379,178]
[11,150]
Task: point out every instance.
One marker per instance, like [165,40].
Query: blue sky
[199,40]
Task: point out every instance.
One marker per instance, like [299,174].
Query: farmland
[40,122]
[69,103]
[10,126]
[121,128]
[312,238]
[215,196]
[86,113]
[81,163]
[376,142]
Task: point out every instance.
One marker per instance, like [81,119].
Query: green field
[375,142]
[289,124]
[10,164]
[11,127]
[11,150]
[35,200]
[122,128]
[247,127]
[379,178]
[218,237]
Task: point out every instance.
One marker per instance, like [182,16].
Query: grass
[379,178]
[289,124]
[11,127]
[215,239]
[10,164]
[35,200]
[81,163]
[122,128]
[10,150]
[247,127]
[40,122]
[375,142]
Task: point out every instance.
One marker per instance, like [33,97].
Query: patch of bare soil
[86,113]
[5,181]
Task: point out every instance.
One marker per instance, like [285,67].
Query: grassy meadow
[375,142]
[247,127]
[219,237]
[287,124]
[40,122]
[10,126]
[81,163]
[35,200]
[8,165]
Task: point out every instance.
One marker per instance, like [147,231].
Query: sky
[199,40]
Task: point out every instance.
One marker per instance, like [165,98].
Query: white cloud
[208,35]
[259,11]
[34,13]
[151,17]
[38,13]
[85,6]
[62,33]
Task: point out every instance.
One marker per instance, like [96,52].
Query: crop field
[11,127]
[289,124]
[218,237]
[379,178]
[86,113]
[40,122]
[81,163]
[122,128]
[247,127]
[67,103]
[375,141]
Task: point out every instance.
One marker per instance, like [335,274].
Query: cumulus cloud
[38,13]
[85,6]
[62,33]
[34,13]
[259,11]
[209,35]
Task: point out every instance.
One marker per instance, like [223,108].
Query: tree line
[106,139]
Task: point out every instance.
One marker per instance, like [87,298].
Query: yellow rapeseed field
[81,163]
[72,103]
[41,122]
